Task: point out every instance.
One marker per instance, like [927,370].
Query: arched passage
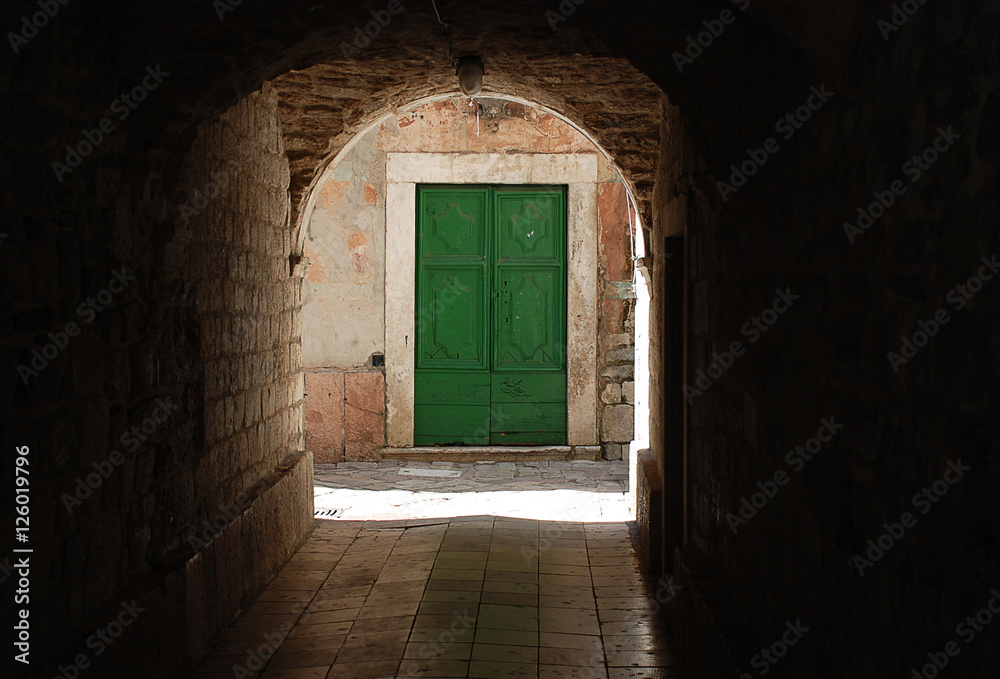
[448,140]
[237,250]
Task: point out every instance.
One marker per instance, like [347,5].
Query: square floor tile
[292,659]
[433,668]
[364,670]
[571,641]
[573,657]
[507,636]
[416,650]
[639,659]
[480,669]
[568,672]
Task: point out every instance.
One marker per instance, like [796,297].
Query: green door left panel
[452,395]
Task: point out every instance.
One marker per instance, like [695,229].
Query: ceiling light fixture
[470,75]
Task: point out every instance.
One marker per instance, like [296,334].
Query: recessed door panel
[530,225]
[528,387]
[527,319]
[453,316]
[453,222]
[452,423]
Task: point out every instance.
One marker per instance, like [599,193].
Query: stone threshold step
[492,453]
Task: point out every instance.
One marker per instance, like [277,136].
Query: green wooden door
[491,316]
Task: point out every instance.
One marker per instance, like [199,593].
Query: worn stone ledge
[649,517]
[193,602]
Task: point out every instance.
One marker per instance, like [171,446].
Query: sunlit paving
[551,491]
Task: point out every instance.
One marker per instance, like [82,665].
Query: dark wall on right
[816,298]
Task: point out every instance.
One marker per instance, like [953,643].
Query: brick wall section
[324,106]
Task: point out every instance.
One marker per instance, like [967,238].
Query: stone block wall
[247,300]
[253,482]
[165,435]
[649,514]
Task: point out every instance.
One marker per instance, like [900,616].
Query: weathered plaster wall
[344,292]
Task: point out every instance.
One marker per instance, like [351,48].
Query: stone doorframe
[403,172]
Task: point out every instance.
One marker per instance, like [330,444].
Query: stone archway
[371,182]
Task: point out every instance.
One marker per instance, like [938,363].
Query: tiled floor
[463,597]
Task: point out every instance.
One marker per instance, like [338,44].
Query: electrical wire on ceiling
[447,34]
[455,62]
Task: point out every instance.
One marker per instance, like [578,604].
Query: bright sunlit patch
[575,506]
